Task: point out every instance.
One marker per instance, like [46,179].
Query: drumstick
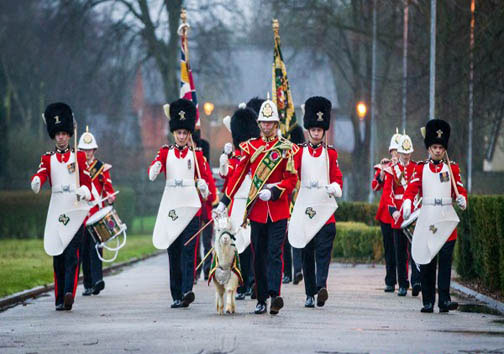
[457,194]
[206,256]
[197,233]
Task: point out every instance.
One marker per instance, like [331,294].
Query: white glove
[265,195]
[223,165]
[406,209]
[154,170]
[461,202]
[219,210]
[83,193]
[396,215]
[228,148]
[35,184]
[203,188]
[334,189]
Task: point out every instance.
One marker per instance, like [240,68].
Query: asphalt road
[133,314]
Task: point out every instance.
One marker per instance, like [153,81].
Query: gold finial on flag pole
[276,27]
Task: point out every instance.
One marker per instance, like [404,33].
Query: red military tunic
[415,185]
[44,170]
[382,214]
[335,174]
[102,182]
[394,187]
[283,179]
[181,152]
[213,197]
[234,160]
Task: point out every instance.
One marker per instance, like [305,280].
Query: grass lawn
[24,264]
[143,225]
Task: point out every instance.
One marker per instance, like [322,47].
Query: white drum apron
[180,201]
[313,206]
[65,215]
[437,218]
[242,234]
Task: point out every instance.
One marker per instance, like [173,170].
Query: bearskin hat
[317,113]
[255,104]
[58,117]
[244,126]
[297,135]
[205,146]
[182,115]
[437,131]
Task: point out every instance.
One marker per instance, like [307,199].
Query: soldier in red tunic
[438,182]
[101,188]
[243,126]
[393,189]
[178,218]
[383,215]
[312,225]
[64,225]
[270,162]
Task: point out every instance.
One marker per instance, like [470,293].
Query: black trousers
[207,245]
[317,258]
[182,261]
[428,275]
[66,268]
[390,257]
[267,247]
[290,254]
[415,268]
[91,264]
[402,256]
[246,270]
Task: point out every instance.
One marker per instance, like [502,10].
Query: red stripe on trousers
[76,277]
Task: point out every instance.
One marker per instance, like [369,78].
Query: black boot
[310,302]
[428,308]
[188,299]
[99,286]
[68,301]
[87,292]
[322,297]
[260,308]
[402,292]
[276,304]
[297,278]
[389,289]
[176,304]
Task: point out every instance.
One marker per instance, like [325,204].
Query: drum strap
[95,169]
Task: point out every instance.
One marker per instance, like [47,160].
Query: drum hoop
[93,219]
[413,217]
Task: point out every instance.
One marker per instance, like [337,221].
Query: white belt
[398,196]
[63,188]
[437,201]
[180,182]
[311,185]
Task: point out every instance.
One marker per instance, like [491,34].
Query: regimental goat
[225,270]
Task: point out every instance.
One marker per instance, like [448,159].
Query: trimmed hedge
[357,211]
[23,213]
[358,240]
[479,251]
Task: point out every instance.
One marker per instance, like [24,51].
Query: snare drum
[408,225]
[104,226]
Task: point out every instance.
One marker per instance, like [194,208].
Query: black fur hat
[255,104]
[317,113]
[205,146]
[437,131]
[182,115]
[59,118]
[297,135]
[244,126]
